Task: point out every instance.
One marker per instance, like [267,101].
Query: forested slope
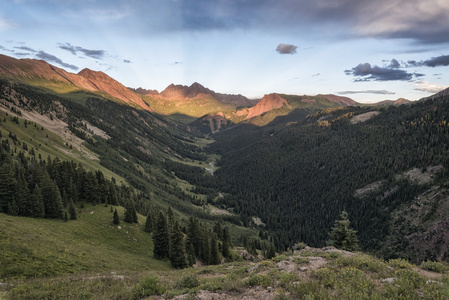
[299,175]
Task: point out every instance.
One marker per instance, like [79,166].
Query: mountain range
[284,167]
[194,100]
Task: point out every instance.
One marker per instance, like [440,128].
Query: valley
[231,178]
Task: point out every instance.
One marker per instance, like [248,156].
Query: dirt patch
[218,211]
[364,117]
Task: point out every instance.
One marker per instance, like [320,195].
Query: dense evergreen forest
[299,177]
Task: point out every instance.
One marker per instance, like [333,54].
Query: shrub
[399,263]
[258,279]
[301,260]
[187,282]
[326,276]
[149,285]
[434,266]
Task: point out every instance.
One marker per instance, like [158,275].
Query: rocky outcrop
[267,103]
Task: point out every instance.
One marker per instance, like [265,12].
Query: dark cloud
[394,64]
[26,49]
[396,19]
[439,61]
[366,72]
[178,62]
[53,59]
[380,92]
[286,49]
[97,54]
[127,61]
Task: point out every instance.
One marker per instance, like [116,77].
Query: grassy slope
[307,274]
[47,143]
[92,243]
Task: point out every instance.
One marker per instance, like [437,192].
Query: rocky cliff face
[267,103]
[103,82]
[181,92]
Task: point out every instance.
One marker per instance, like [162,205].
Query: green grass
[40,247]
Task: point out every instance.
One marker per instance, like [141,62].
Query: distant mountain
[399,101]
[177,92]
[42,74]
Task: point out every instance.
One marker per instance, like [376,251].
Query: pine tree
[130,212]
[8,184]
[191,257]
[52,198]
[115,217]
[214,253]
[160,237]
[37,203]
[149,223]
[342,236]
[72,210]
[177,253]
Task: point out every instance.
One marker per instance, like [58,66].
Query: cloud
[97,54]
[379,92]
[53,59]
[178,63]
[127,61]
[26,48]
[366,72]
[286,49]
[429,87]
[437,61]
[394,64]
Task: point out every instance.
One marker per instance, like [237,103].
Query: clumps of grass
[286,279]
[149,285]
[331,255]
[363,262]
[434,266]
[187,282]
[399,263]
[258,280]
[301,260]
[280,258]
[326,276]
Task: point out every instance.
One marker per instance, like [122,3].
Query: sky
[368,50]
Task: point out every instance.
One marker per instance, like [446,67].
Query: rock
[433,281]
[303,269]
[388,280]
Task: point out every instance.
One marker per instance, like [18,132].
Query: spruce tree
[149,223]
[160,237]
[115,217]
[214,253]
[191,257]
[37,203]
[72,210]
[130,212]
[177,253]
[342,236]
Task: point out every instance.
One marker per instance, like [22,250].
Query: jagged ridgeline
[388,167]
